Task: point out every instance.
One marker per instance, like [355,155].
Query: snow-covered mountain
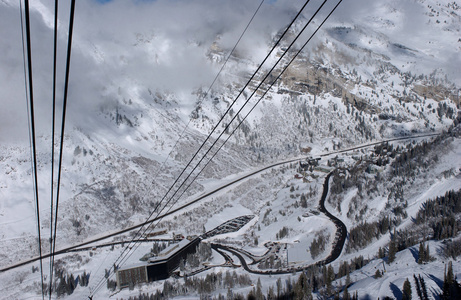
[139,109]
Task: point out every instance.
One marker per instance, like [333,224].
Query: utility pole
[286,248]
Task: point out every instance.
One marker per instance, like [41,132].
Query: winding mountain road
[338,242]
[337,248]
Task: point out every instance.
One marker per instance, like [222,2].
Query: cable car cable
[55,37]
[201,99]
[32,126]
[235,116]
[63,122]
[254,74]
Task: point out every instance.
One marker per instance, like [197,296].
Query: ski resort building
[132,275]
[158,267]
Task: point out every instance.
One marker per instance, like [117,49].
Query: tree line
[440,213]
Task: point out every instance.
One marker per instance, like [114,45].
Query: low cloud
[146,44]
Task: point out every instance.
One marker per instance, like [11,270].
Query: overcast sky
[172,39]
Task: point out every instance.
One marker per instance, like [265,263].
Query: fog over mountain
[138,110]
[163,45]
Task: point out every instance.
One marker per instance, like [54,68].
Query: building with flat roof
[132,275]
[158,267]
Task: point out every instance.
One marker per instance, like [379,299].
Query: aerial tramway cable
[202,145]
[32,133]
[201,99]
[262,96]
[63,122]
[53,121]
[270,86]
[123,255]
[235,116]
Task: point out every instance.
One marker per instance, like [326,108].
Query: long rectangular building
[132,275]
[157,268]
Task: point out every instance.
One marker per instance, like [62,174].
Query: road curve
[119,232]
[341,232]
[338,243]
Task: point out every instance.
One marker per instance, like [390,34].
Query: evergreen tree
[70,285]
[61,289]
[423,287]
[83,281]
[228,281]
[303,201]
[299,287]
[288,286]
[230,295]
[451,288]
[348,277]
[324,275]
[392,251]
[421,253]
[406,295]
[418,288]
[355,296]
[251,295]
[446,283]
[302,289]
[330,278]
[449,275]
[271,293]
[314,283]
[346,295]
[279,287]
[259,294]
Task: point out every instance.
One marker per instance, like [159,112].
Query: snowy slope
[135,91]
